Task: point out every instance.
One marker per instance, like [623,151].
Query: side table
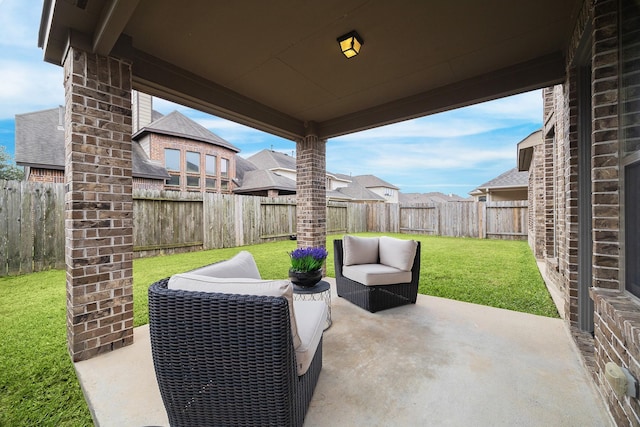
[321,291]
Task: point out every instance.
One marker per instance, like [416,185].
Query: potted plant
[306,265]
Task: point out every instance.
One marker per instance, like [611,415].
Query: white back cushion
[241,265]
[241,286]
[397,253]
[360,250]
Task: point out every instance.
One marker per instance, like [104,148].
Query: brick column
[98,203]
[311,196]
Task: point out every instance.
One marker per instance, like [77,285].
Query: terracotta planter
[305,279]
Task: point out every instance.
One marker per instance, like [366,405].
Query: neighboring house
[508,186]
[272,173]
[382,188]
[261,182]
[195,158]
[433,197]
[355,192]
[40,150]
[169,152]
[513,184]
[267,173]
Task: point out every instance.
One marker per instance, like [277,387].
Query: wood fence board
[13,227]
[4,227]
[26,229]
[38,220]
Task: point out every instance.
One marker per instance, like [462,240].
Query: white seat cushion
[241,265]
[376,274]
[397,253]
[360,250]
[240,286]
[310,317]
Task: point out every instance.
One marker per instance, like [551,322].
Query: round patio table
[321,291]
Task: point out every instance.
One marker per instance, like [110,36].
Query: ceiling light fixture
[350,44]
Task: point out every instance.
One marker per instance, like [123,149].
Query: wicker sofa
[234,351]
[377,273]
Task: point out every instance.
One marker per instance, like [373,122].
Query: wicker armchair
[378,297]
[224,359]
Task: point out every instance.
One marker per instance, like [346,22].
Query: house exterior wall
[45,175]
[157,143]
[147,184]
[389,194]
[286,173]
[57,176]
[536,202]
[507,195]
[555,197]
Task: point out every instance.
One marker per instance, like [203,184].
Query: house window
[224,168]
[172,159]
[210,183]
[224,185]
[630,139]
[193,162]
[631,234]
[210,164]
[174,180]
[193,181]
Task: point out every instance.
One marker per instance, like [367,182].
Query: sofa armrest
[310,318]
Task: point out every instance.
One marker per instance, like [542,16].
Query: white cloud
[524,107]
[26,87]
[19,22]
[476,119]
[406,158]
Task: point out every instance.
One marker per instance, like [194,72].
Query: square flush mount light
[350,44]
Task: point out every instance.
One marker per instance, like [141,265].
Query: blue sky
[451,152]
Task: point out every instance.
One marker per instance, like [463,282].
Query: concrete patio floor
[437,363]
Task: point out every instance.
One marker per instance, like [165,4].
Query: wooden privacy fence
[494,220]
[32,236]
[31,227]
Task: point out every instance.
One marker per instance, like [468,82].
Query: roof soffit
[276,67]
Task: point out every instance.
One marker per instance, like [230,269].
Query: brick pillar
[98,203]
[311,197]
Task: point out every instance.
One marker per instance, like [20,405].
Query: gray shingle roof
[269,159]
[369,181]
[510,178]
[40,139]
[433,197]
[242,167]
[257,180]
[180,126]
[40,143]
[358,192]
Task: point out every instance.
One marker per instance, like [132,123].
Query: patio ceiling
[275,65]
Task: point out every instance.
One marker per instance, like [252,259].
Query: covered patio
[276,66]
[437,363]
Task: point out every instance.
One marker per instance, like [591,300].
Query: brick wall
[536,203]
[311,198]
[616,312]
[98,203]
[45,175]
[147,184]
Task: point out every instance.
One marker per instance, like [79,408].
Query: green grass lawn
[38,385]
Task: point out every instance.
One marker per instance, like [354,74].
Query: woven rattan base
[227,359]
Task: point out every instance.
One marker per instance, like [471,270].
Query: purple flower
[308,259]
